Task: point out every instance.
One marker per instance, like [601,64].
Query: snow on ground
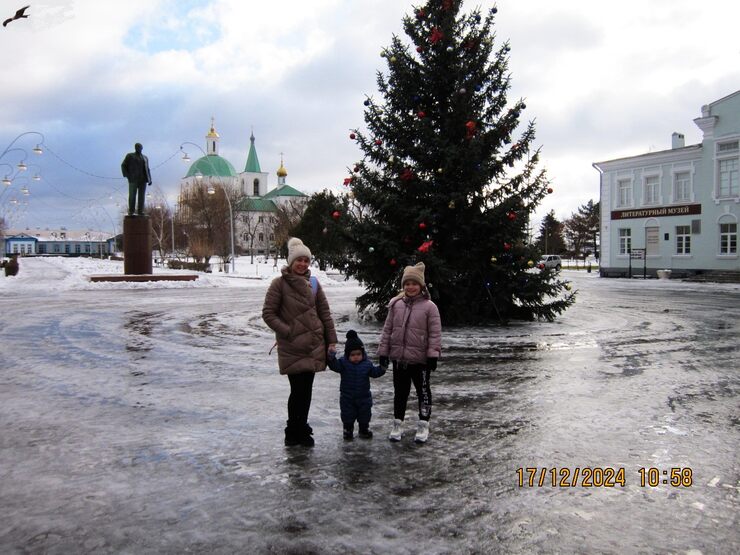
[73,274]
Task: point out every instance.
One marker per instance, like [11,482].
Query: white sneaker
[422,432]
[395,434]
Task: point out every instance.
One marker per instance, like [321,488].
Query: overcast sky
[602,80]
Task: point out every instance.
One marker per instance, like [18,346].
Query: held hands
[432,364]
[332,350]
[384,362]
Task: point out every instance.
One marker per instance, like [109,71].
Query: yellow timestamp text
[564,477]
[601,477]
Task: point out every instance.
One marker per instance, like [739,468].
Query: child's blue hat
[353,343]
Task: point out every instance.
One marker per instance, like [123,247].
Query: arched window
[256,187]
[261,237]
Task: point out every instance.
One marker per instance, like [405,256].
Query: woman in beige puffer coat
[297,311]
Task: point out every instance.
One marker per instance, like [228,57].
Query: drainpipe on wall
[601,212]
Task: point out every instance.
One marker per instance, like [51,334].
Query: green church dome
[212,165]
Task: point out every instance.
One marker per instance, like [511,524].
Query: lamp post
[211,191]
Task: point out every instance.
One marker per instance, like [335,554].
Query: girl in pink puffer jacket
[412,340]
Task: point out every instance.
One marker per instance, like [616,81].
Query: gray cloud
[601,81]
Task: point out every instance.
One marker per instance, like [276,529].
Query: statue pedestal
[137,245]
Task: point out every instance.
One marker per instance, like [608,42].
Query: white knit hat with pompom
[296,249]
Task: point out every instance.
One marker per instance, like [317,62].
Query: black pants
[136,195]
[403,375]
[299,401]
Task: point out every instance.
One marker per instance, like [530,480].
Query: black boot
[305,437]
[365,432]
[292,435]
[349,432]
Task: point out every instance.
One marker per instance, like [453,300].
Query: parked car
[551,262]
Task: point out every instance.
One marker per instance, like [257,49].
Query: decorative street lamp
[36,150]
[212,191]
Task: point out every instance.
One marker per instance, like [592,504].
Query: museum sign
[657,212]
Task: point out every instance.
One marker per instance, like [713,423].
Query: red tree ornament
[421,13]
[407,174]
[511,216]
[348,180]
[549,190]
[507,246]
[352,136]
[378,142]
[422,226]
[425,246]
[420,49]
[357,168]
[335,214]
[392,262]
[421,114]
[470,129]
[436,36]
[446,5]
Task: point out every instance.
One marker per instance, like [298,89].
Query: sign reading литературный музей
[657,212]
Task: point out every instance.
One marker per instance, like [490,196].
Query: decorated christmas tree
[448,176]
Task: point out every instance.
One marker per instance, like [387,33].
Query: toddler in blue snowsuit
[355,398]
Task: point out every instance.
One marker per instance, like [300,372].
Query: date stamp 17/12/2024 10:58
[601,477]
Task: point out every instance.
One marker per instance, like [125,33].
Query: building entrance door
[651,241]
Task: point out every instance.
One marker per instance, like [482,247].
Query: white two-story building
[678,208]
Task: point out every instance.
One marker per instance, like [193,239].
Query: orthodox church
[255,213]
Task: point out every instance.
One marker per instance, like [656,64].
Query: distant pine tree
[443,181]
[550,239]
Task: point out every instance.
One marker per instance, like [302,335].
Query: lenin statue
[135,168]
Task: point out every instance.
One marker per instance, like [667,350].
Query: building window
[652,189]
[728,238]
[728,178]
[261,219]
[261,237]
[256,188]
[272,236]
[683,239]
[42,248]
[56,248]
[66,249]
[681,186]
[245,237]
[625,241]
[77,248]
[624,192]
[728,147]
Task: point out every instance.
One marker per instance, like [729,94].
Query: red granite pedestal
[137,245]
[137,255]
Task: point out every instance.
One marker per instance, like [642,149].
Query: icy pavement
[150,420]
